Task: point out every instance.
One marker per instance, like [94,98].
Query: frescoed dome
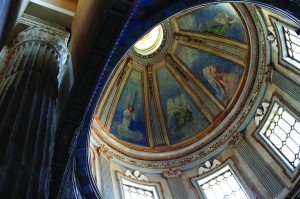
[181,85]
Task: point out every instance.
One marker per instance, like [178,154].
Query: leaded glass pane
[283,134]
[292,41]
[131,192]
[222,186]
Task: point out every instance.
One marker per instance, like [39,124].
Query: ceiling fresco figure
[128,122]
[219,75]
[221,19]
[224,83]
[184,119]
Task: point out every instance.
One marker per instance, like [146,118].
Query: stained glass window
[222,184]
[292,41]
[283,135]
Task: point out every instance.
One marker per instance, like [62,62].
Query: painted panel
[220,19]
[219,75]
[108,105]
[129,122]
[207,102]
[184,120]
[157,133]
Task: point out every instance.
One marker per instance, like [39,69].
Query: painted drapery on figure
[129,123]
[221,19]
[219,75]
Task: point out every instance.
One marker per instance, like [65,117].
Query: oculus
[149,43]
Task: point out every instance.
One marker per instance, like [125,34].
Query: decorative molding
[128,63]
[269,73]
[173,63]
[32,21]
[209,166]
[235,139]
[101,150]
[150,78]
[181,37]
[260,112]
[171,173]
[136,175]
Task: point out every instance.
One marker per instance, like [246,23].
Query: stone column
[175,184]
[27,113]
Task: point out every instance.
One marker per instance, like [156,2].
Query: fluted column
[264,175]
[175,184]
[27,114]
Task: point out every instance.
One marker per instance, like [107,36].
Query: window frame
[214,173]
[152,186]
[284,58]
[270,149]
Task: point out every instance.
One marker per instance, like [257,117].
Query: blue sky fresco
[183,118]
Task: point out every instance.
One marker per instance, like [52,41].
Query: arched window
[138,189]
[224,182]
[280,133]
[133,190]
[288,43]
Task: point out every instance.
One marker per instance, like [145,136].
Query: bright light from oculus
[150,42]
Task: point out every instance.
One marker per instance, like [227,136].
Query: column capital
[269,73]
[101,150]
[171,173]
[235,139]
[46,35]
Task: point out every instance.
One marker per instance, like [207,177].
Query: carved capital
[171,173]
[46,35]
[103,151]
[269,73]
[235,139]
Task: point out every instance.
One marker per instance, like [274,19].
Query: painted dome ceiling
[181,83]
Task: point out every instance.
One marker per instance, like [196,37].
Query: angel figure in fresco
[224,83]
[219,25]
[128,115]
